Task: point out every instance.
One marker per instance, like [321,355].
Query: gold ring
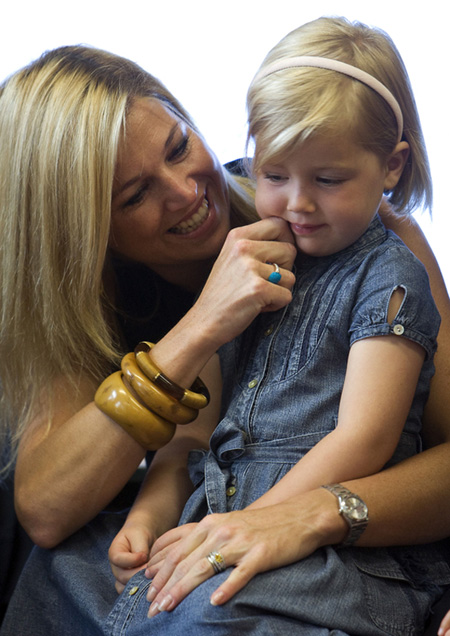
[217,561]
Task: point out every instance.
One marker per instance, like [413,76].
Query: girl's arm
[409,502]
[437,425]
[165,489]
[381,378]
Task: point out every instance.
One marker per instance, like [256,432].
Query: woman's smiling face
[170,205]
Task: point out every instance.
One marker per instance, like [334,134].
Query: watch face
[355,508]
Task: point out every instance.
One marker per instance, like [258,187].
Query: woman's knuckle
[203,568]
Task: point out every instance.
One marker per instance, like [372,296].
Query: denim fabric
[67,591]
[322,595]
[70,591]
[283,377]
[282,387]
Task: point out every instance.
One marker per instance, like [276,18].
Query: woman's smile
[193,220]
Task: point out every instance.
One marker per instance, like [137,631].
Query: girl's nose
[300,201]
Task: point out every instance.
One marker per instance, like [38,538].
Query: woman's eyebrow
[136,178]
[172,134]
[125,186]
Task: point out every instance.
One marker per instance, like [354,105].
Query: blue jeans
[69,591]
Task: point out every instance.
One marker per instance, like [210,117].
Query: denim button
[133,590]
[268,331]
[231,491]
[399,330]
[252,384]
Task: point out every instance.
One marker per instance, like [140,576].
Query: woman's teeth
[185,227]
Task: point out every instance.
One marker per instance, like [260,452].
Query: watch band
[353,509]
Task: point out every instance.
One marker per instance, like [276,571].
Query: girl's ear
[395,164]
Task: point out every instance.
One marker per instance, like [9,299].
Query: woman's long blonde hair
[286,107]
[61,120]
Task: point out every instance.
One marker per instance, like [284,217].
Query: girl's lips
[304,230]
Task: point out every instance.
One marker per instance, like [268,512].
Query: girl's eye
[274,178]
[329,181]
[180,150]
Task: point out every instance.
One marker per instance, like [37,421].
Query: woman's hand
[252,541]
[238,288]
[444,628]
[129,552]
[236,292]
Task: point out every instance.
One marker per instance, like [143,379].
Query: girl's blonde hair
[286,107]
[61,121]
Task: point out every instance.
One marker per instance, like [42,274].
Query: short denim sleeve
[418,319]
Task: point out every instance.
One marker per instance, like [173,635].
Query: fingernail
[165,603]
[154,609]
[152,592]
[216,598]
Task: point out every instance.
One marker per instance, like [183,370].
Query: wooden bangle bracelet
[155,398]
[197,397]
[150,430]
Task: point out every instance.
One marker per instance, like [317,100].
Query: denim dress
[283,376]
[282,379]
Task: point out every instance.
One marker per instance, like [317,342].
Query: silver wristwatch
[353,509]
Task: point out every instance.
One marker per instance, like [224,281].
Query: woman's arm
[67,472]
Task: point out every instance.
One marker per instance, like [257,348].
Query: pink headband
[340,67]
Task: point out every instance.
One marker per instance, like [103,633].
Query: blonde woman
[101,172]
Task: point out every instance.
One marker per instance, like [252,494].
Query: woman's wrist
[329,526]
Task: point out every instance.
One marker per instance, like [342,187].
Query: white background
[206,52]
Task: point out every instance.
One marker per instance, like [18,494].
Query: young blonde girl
[335,127]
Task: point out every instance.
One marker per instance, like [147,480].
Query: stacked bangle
[153,397]
[146,427]
[198,395]
[145,402]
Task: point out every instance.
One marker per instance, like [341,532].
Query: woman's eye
[137,197]
[180,150]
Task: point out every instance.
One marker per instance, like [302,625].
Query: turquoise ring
[275,276]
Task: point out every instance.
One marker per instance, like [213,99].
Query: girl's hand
[252,541]
[444,628]
[164,545]
[129,552]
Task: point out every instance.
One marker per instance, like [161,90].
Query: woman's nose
[180,192]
